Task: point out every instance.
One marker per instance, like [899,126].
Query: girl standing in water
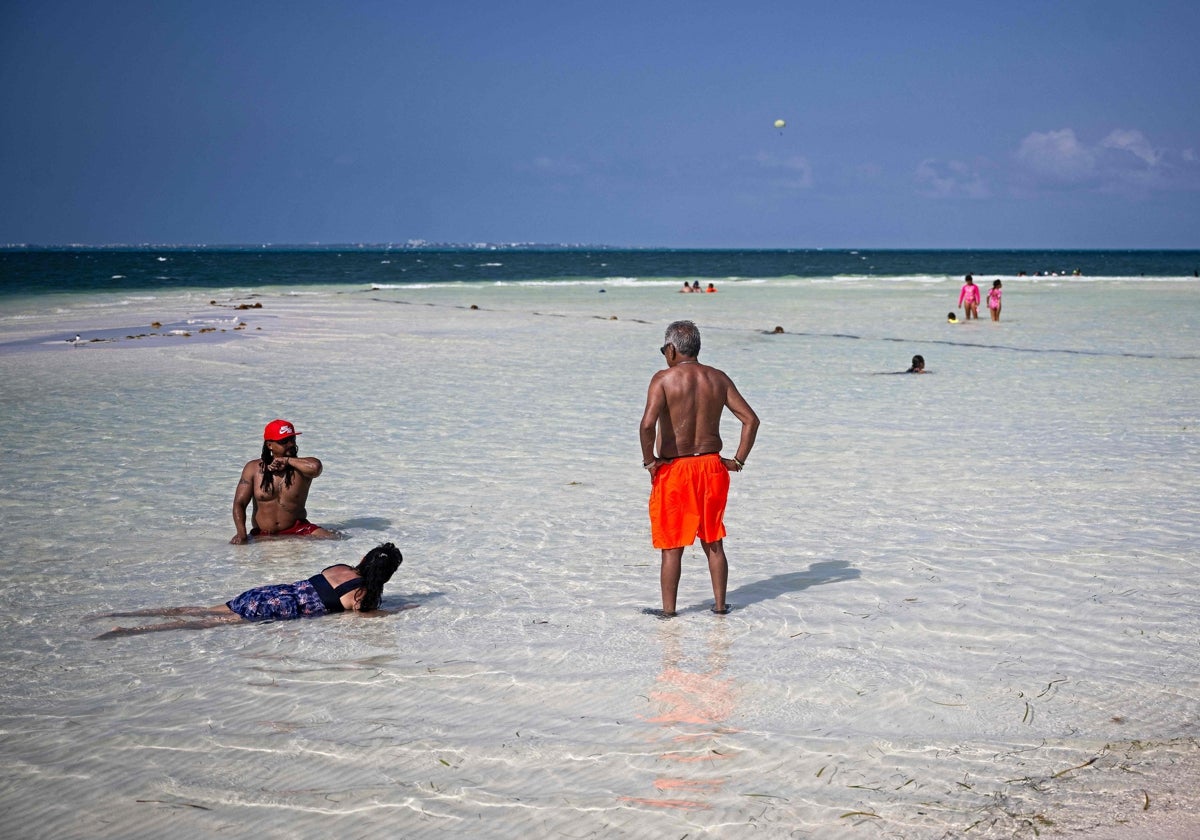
[968,299]
[994,301]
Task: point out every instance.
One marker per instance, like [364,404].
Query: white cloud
[1134,142]
[951,179]
[1057,155]
[1124,161]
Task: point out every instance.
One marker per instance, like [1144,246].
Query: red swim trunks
[302,528]
[687,500]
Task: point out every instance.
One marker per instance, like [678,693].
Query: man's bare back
[686,402]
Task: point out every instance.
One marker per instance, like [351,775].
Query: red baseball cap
[278,430]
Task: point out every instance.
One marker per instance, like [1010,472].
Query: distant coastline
[426,245]
[411,245]
[68,269]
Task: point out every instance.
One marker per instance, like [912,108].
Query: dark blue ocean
[84,270]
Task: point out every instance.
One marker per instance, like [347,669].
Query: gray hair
[685,336]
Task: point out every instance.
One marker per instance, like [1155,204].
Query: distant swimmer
[334,589]
[969,298]
[277,483]
[711,288]
[695,285]
[918,366]
[687,289]
[951,318]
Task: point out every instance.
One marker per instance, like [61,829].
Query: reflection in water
[692,700]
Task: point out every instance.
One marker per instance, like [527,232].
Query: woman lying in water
[335,589]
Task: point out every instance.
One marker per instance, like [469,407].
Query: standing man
[689,478]
[278,485]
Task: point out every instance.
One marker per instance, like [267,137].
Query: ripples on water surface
[966,602]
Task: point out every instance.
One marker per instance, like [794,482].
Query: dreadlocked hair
[376,569]
[268,477]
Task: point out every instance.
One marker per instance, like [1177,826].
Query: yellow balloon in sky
[780,123]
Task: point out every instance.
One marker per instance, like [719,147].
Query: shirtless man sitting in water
[277,484]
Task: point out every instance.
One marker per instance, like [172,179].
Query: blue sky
[909,125]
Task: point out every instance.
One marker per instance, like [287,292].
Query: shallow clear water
[964,601]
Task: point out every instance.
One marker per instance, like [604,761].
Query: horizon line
[424,245]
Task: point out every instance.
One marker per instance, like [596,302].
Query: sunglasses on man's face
[663,349]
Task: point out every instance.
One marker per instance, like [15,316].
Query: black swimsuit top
[330,597]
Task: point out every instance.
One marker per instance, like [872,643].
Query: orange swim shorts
[687,500]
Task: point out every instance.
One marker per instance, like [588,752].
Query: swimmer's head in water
[918,363]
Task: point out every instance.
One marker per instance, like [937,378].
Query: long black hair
[376,569]
[268,478]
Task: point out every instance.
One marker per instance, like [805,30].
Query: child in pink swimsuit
[970,297]
[994,301]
